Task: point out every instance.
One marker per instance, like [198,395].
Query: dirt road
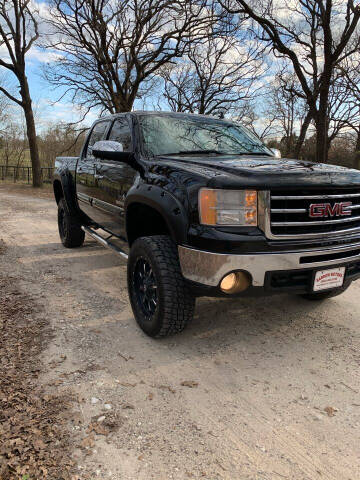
[271,385]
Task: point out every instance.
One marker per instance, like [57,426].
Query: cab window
[120,132]
[96,135]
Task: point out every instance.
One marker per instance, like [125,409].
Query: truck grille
[290,212]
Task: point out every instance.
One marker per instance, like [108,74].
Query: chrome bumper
[209,268]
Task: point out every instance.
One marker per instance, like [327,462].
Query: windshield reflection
[183,134]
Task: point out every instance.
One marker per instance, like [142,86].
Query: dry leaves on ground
[189,383]
[33,439]
[330,411]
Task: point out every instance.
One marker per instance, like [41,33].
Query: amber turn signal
[228,207]
[207,202]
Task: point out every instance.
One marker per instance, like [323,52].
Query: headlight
[228,207]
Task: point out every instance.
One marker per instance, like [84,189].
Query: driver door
[86,181]
[114,179]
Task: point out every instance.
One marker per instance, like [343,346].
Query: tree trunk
[31,132]
[321,139]
[322,130]
[322,122]
[303,132]
[121,105]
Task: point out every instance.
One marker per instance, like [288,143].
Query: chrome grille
[290,213]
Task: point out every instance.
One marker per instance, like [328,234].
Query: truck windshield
[175,134]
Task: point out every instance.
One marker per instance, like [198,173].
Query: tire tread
[75,235]
[178,301]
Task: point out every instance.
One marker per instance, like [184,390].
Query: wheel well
[58,191]
[144,221]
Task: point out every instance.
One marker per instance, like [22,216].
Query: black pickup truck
[201,207]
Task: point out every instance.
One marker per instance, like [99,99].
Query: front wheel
[161,301]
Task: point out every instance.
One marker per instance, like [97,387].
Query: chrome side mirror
[276,152]
[111,150]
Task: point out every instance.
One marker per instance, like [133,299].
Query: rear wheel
[70,231]
[318,296]
[161,301]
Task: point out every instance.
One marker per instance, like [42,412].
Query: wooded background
[289,70]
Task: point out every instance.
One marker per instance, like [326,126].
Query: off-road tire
[70,231]
[320,296]
[174,302]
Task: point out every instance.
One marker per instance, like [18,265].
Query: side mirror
[276,152]
[110,150]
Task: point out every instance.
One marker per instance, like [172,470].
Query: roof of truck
[161,112]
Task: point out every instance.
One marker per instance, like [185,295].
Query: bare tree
[216,76]
[259,121]
[18,32]
[344,108]
[110,49]
[316,36]
[4,105]
[13,147]
[288,110]
[3,111]
[59,139]
[342,150]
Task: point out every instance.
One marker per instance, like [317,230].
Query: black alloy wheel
[63,231]
[145,287]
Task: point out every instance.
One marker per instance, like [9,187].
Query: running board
[105,242]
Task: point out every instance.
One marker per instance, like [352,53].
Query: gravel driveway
[254,389]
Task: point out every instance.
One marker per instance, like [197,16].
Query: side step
[105,241]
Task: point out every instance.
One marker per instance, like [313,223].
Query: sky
[48,107]
[49,103]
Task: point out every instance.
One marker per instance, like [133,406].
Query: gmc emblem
[318,210]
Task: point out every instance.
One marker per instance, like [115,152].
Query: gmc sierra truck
[201,207]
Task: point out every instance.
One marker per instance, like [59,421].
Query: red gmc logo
[318,210]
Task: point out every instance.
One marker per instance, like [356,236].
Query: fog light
[235,282]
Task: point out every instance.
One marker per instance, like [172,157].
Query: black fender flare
[166,204]
[69,192]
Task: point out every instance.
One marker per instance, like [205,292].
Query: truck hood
[265,172]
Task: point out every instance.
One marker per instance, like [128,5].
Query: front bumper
[208,269]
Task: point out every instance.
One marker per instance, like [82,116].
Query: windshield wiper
[214,152]
[197,152]
[257,153]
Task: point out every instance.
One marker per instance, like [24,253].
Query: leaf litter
[34,442]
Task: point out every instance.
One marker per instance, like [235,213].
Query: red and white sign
[326,279]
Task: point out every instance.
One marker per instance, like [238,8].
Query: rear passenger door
[114,179]
[86,182]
